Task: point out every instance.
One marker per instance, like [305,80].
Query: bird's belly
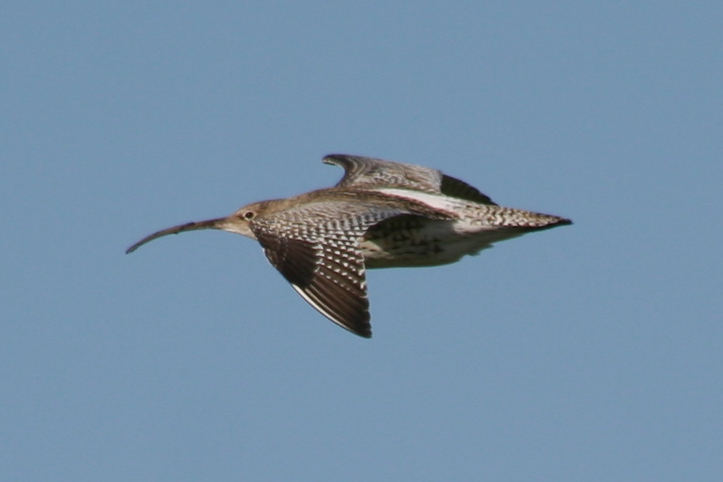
[410,241]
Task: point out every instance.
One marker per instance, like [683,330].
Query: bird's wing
[367,172]
[318,252]
[453,187]
[370,173]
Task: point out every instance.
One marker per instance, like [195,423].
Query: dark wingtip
[336,159]
[365,334]
[331,158]
[360,329]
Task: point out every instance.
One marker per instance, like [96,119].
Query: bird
[381,214]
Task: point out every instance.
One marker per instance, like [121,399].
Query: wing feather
[317,251]
[370,173]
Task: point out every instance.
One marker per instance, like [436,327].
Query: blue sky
[590,352]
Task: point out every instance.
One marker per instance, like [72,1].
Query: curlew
[381,214]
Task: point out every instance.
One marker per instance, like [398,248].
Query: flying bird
[381,214]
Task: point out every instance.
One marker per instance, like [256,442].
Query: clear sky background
[592,352]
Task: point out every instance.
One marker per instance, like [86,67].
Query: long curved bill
[217,223]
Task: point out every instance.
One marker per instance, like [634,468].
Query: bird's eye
[249,215]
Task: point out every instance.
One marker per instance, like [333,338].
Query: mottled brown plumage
[381,214]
